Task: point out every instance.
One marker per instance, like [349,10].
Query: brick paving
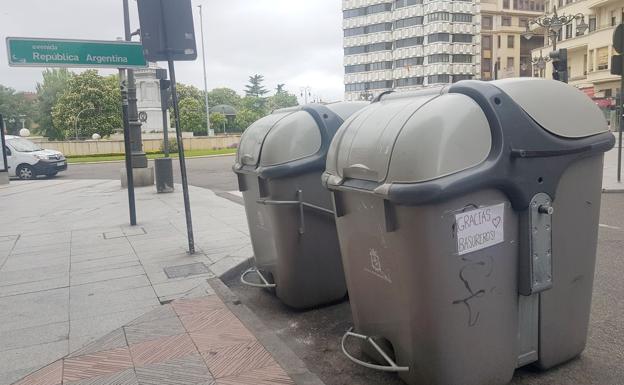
[195,341]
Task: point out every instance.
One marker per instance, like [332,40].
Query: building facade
[408,44]
[589,54]
[504,52]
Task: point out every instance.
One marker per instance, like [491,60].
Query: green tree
[245,118]
[189,91]
[55,81]
[280,88]
[15,106]
[218,121]
[282,99]
[96,98]
[192,116]
[224,96]
[255,87]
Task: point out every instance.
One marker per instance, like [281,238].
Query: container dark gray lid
[411,138]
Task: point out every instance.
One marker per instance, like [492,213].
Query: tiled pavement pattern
[196,341]
[72,270]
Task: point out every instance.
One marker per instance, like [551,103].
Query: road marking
[610,227]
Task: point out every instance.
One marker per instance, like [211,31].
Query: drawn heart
[496,221]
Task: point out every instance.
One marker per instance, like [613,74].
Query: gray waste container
[467,218]
[279,164]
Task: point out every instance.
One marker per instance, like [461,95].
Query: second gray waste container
[279,164]
[468,218]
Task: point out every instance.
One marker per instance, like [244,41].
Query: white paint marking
[610,227]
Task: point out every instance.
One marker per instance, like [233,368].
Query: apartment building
[589,54]
[504,52]
[408,44]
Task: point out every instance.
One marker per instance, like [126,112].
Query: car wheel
[25,172]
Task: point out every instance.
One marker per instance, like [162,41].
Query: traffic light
[560,64]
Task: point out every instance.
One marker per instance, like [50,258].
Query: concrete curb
[289,361]
[149,160]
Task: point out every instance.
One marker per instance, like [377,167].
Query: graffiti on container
[376,267]
[474,271]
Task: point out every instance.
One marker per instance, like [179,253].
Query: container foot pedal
[264,284]
[391,367]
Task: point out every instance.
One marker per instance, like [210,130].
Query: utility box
[291,221]
[468,219]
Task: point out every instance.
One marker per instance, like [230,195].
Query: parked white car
[27,160]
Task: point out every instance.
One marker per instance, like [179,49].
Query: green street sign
[33,52]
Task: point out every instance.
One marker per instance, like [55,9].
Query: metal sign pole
[621,110]
[127,146]
[187,204]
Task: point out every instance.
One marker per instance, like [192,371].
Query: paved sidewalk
[72,270]
[609,176]
[189,342]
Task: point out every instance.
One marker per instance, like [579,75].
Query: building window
[590,60]
[463,38]
[441,78]
[486,41]
[486,22]
[608,93]
[462,17]
[486,65]
[377,66]
[409,42]
[438,16]
[402,23]
[568,31]
[381,27]
[592,24]
[506,21]
[510,41]
[413,81]
[462,58]
[349,13]
[523,22]
[506,4]
[438,58]
[510,63]
[602,58]
[406,3]
[498,41]
[613,18]
[356,87]
[436,37]
[408,62]
[387,46]
[457,78]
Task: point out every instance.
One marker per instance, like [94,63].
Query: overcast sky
[297,42]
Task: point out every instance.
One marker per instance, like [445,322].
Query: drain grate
[181,271]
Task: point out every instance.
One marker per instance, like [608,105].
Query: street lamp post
[201,23]
[540,63]
[305,93]
[78,117]
[554,25]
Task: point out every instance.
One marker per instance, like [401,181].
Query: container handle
[264,284]
[391,367]
[301,205]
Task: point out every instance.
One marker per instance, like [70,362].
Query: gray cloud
[297,42]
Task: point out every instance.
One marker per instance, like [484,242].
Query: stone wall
[93,147]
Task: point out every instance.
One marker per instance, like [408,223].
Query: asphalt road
[214,173]
[314,335]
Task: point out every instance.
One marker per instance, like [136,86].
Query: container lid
[559,108]
[411,137]
[292,134]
